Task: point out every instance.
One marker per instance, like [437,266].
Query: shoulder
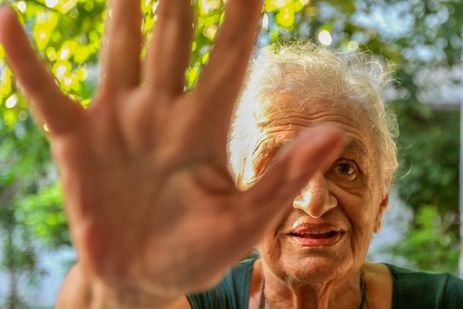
[231,292]
[378,285]
[425,289]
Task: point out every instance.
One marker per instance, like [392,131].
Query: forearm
[78,291]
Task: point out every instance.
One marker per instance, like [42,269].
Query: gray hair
[311,73]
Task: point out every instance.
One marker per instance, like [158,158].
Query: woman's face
[327,231]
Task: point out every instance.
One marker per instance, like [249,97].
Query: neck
[337,293]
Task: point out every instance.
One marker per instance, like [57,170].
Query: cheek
[363,219]
[270,250]
[271,247]
[362,232]
[271,243]
[361,214]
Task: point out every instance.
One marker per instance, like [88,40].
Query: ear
[379,216]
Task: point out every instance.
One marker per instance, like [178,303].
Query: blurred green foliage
[430,243]
[67,34]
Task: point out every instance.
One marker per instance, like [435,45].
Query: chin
[317,268]
[301,264]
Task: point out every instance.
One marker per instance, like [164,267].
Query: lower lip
[307,241]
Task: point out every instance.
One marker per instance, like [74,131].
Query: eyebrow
[354,144]
[272,145]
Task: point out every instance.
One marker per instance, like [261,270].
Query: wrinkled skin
[151,205]
[347,196]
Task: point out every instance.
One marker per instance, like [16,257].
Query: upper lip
[311,228]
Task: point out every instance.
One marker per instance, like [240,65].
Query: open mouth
[313,237]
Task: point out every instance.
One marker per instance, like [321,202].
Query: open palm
[150,201]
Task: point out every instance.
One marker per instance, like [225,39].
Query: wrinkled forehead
[292,109]
[284,116]
[265,123]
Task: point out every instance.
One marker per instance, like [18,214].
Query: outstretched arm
[79,291]
[152,208]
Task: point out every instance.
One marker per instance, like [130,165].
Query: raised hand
[151,204]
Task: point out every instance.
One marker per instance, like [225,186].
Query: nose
[315,199]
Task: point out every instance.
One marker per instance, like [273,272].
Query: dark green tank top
[411,289]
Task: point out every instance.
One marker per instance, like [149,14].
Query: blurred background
[422,39]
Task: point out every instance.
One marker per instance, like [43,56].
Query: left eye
[346,169]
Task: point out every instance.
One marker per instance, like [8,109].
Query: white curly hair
[311,73]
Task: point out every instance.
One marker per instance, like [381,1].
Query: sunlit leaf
[285,17]
[44,28]
[6,83]
[9,117]
[274,5]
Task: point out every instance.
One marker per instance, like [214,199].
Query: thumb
[312,150]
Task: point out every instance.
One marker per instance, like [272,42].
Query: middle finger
[169,51]
[122,45]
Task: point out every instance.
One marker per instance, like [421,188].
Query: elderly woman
[314,257]
[154,212]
